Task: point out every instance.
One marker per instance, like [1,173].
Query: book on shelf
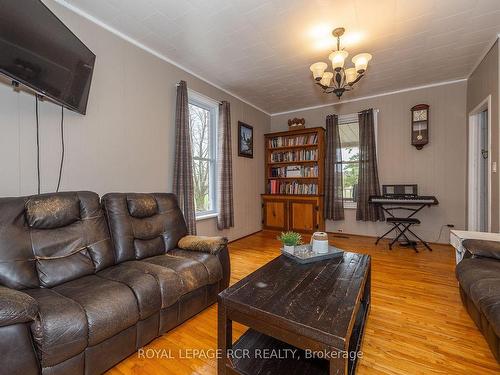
[291,171]
[293,187]
[297,140]
[295,155]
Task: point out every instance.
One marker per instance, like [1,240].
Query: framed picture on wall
[245,140]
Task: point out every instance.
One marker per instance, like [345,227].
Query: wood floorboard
[417,324]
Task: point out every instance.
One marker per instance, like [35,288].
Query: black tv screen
[39,51]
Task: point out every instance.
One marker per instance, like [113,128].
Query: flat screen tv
[40,52]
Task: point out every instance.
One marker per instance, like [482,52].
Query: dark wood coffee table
[293,311]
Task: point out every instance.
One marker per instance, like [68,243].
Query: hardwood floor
[417,324]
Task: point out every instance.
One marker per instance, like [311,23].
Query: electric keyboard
[408,200]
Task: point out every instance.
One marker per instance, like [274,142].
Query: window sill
[350,205]
[206,216]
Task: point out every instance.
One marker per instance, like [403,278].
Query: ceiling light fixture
[342,79]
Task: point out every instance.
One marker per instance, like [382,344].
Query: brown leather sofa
[84,285]
[478,275]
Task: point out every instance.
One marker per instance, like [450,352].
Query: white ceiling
[261,50]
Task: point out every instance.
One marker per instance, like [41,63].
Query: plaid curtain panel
[368,183]
[183,167]
[225,218]
[334,197]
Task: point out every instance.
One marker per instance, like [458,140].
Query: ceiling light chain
[343,79]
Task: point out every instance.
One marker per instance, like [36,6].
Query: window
[203,115]
[349,140]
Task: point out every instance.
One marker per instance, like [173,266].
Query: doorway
[479,197]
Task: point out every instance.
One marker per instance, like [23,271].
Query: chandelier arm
[323,86]
[357,79]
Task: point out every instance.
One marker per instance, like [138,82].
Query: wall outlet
[450,225]
[340,230]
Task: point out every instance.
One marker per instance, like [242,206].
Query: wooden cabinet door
[303,215]
[275,214]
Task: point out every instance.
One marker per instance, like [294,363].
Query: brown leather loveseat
[84,283]
[479,278]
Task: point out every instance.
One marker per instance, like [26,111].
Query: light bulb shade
[361,62]
[318,69]
[338,58]
[327,79]
[350,75]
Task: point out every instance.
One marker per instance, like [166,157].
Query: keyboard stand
[402,225]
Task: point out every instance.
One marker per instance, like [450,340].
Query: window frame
[212,106]
[349,119]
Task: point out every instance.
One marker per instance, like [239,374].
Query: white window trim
[211,105]
[353,117]
[208,215]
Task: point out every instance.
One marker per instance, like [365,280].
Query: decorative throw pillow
[204,244]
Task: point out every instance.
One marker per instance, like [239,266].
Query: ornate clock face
[420,115]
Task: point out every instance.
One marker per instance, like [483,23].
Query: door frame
[473,165]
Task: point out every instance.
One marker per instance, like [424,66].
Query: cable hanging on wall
[37,117]
[62,150]
[37,144]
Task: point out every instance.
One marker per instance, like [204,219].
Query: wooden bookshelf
[294,178]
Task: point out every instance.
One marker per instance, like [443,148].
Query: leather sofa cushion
[492,313]
[136,233]
[110,306]
[480,280]
[193,273]
[170,282]
[470,271]
[149,247]
[44,241]
[53,271]
[141,205]
[17,262]
[483,248]
[52,211]
[144,286]
[211,262]
[60,330]
[486,296]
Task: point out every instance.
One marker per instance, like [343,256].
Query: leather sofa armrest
[483,248]
[223,256]
[16,307]
[212,245]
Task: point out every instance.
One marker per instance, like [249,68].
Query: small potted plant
[290,240]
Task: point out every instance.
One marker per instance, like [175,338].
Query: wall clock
[420,125]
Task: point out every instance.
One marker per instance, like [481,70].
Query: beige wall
[483,82]
[438,169]
[126,140]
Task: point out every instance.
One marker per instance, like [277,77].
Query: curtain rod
[200,94]
[376,110]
